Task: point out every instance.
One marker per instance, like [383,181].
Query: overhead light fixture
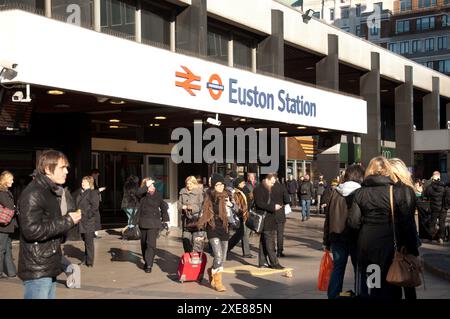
[322,130]
[308,15]
[156,124]
[310,68]
[114,121]
[283,132]
[258,129]
[198,122]
[113,126]
[116,102]
[160,117]
[301,127]
[150,124]
[55,92]
[62,106]
[384,90]
[243,120]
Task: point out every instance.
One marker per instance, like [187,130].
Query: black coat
[88,202]
[152,211]
[42,227]
[436,192]
[306,190]
[7,200]
[371,213]
[447,197]
[281,197]
[264,203]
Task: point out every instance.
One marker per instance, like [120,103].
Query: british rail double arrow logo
[187,84]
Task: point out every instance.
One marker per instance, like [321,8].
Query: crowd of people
[357,207]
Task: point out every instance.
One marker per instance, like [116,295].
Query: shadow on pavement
[256,282]
[119,255]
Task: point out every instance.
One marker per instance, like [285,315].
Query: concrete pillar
[192,29]
[97,16]
[270,51]
[370,91]
[138,22]
[448,116]
[254,60]
[431,107]
[327,69]
[48,8]
[230,51]
[173,36]
[404,121]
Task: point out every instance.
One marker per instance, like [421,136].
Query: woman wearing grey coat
[189,205]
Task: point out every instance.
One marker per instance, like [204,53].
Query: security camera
[214,121]
[18,96]
[8,71]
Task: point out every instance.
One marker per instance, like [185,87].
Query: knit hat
[216,178]
[237,181]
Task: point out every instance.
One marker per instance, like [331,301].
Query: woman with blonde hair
[87,200]
[371,214]
[190,202]
[404,211]
[7,267]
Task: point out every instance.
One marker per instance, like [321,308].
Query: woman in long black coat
[87,200]
[152,213]
[7,267]
[371,213]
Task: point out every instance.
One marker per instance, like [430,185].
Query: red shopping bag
[326,267]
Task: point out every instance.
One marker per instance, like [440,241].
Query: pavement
[118,274]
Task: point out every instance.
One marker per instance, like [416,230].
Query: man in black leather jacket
[43,227]
[436,193]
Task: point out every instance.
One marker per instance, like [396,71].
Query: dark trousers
[267,253]
[6,258]
[280,237]
[89,252]
[148,245]
[441,215]
[241,234]
[341,251]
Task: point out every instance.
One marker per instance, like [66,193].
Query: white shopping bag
[287,209]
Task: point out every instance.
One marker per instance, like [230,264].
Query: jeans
[130,214]
[219,249]
[6,259]
[42,288]
[306,203]
[341,251]
[192,242]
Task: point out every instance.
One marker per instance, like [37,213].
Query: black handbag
[255,221]
[233,220]
[133,233]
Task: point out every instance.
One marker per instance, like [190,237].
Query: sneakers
[264,266]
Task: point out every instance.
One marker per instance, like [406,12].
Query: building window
[415,46]
[426,3]
[218,44]
[118,16]
[358,10]
[332,14]
[346,29]
[445,20]
[402,26]
[429,64]
[444,66]
[442,43]
[316,14]
[391,47]
[425,23]
[374,30]
[405,5]
[379,5]
[429,44]
[404,47]
[358,30]
[242,52]
[345,12]
[155,24]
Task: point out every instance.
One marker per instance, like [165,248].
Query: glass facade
[426,3]
[405,5]
[79,12]
[442,43]
[345,12]
[218,44]
[155,25]
[118,17]
[402,26]
[425,23]
[242,52]
[34,6]
[429,44]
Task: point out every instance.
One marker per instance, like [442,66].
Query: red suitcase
[192,267]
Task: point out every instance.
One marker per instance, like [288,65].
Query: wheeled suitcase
[192,266]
